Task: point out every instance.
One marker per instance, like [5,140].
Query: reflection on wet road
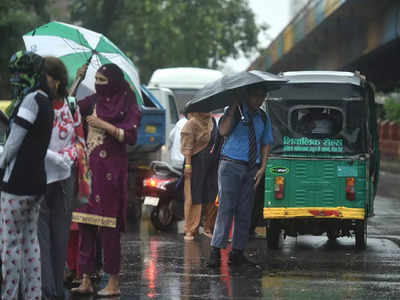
[158,265]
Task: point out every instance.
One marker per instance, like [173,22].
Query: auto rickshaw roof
[322,77]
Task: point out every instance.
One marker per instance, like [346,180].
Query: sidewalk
[391,166]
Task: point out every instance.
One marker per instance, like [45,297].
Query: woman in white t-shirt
[56,209]
[176,156]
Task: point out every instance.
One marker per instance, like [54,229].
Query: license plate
[153,201]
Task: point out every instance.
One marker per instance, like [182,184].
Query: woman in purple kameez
[113,117]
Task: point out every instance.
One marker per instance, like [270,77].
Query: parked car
[184,82]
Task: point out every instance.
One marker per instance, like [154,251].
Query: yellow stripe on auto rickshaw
[314,212]
[94,220]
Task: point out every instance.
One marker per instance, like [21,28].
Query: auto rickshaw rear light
[350,188]
[279,187]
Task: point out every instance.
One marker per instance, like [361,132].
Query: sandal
[76,281]
[106,294]
[208,234]
[85,288]
[82,291]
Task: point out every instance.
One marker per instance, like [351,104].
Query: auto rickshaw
[322,173]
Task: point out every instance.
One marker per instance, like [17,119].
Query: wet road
[159,265]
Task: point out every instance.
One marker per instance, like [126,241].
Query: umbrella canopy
[219,93]
[76,46]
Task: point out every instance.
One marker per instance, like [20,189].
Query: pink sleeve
[86,105]
[130,136]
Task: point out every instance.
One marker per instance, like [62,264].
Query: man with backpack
[243,160]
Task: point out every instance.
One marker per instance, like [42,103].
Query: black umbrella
[220,93]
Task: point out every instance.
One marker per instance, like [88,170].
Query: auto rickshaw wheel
[361,234]
[332,234]
[273,234]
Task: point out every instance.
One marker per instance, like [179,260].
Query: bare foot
[85,288]
[112,288]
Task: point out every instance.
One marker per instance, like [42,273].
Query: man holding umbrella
[248,133]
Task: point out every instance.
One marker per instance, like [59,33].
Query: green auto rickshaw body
[323,167]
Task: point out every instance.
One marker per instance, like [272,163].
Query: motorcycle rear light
[279,187]
[156,183]
[350,188]
[149,182]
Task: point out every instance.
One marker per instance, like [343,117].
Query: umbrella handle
[241,114]
[78,81]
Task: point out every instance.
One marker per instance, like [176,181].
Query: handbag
[83,179]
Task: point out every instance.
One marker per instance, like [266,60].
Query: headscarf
[27,75]
[116,102]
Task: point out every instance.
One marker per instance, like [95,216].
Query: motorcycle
[163,191]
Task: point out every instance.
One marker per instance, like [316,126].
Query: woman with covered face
[198,137]
[112,117]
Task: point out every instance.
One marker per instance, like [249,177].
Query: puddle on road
[161,265]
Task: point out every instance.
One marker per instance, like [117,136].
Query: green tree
[391,107]
[16,18]
[170,33]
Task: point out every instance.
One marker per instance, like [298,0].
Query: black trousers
[257,218]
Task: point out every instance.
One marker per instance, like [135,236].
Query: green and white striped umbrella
[76,46]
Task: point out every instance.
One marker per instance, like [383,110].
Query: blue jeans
[236,198]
